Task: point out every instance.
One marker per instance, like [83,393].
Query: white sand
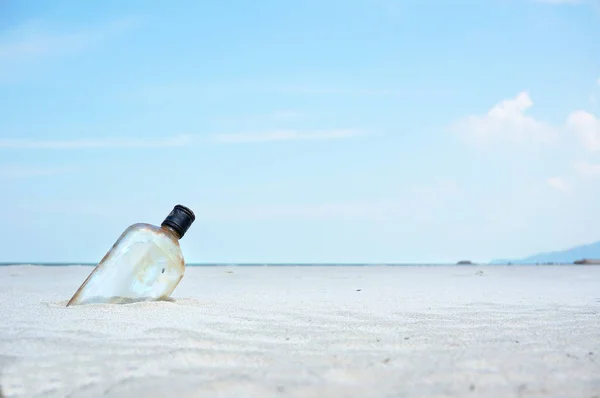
[307,332]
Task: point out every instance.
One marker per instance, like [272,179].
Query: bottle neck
[171,231]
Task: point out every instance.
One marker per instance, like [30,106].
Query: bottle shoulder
[140,227]
[148,231]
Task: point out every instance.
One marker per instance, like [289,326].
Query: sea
[291,264]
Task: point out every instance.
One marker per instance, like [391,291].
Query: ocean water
[50,264]
[292,264]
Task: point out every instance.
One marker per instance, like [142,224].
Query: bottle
[145,263]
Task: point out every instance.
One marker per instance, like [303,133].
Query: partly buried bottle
[145,263]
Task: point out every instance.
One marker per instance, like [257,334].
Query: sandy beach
[352,331]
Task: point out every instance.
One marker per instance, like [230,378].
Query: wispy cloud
[232,121]
[20,171]
[286,135]
[324,90]
[559,1]
[587,169]
[71,207]
[96,143]
[558,183]
[178,141]
[286,115]
[415,201]
[594,4]
[319,211]
[31,40]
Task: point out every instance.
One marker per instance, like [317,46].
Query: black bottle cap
[179,219]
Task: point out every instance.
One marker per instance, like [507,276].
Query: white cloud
[559,1]
[29,40]
[177,141]
[286,115]
[587,169]
[587,127]
[419,202]
[286,135]
[95,143]
[13,171]
[101,208]
[323,90]
[559,183]
[373,210]
[234,121]
[506,121]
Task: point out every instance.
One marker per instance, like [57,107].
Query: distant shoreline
[71,264]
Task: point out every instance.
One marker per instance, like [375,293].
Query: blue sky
[313,131]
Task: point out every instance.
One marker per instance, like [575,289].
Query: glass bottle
[145,263]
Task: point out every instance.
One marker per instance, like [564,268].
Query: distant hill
[591,251]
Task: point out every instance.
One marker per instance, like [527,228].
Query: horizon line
[233,264]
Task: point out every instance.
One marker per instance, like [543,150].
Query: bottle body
[145,263]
